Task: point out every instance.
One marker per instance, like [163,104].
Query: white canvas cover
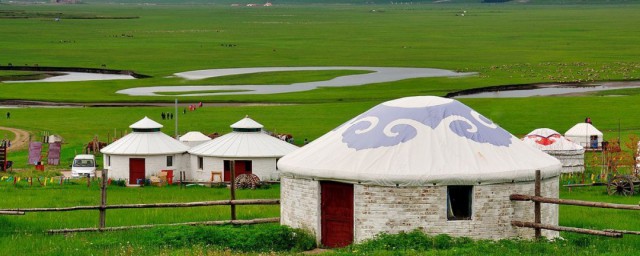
[570,154]
[145,143]
[417,141]
[247,123]
[193,138]
[581,134]
[244,143]
[146,123]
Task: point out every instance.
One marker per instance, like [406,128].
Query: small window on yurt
[200,163]
[459,202]
[169,161]
[108,162]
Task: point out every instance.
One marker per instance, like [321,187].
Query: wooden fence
[538,226]
[103,207]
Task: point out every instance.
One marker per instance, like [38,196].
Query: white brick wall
[300,204]
[392,210]
[264,168]
[119,165]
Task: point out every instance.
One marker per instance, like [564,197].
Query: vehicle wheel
[620,185]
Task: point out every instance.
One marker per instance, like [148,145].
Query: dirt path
[21,141]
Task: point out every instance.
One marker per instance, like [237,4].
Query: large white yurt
[422,162]
[194,138]
[248,146]
[584,134]
[570,154]
[144,153]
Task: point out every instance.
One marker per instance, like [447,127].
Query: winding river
[378,75]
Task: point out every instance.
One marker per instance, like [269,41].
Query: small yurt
[143,153]
[250,149]
[423,162]
[584,134]
[193,139]
[570,154]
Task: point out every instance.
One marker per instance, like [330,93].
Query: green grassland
[505,43]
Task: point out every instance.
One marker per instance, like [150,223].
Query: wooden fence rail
[561,228]
[157,205]
[103,207]
[518,197]
[204,223]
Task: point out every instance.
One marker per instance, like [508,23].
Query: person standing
[8,115]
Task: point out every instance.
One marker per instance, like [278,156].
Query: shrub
[256,238]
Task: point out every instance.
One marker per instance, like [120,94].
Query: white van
[83,165]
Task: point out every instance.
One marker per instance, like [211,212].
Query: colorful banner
[54,154]
[35,151]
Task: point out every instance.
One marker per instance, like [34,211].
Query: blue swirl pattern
[386,126]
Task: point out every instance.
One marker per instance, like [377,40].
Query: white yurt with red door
[250,149]
[422,162]
[143,153]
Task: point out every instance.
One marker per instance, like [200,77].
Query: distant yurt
[143,153]
[250,149]
[585,135]
[423,162]
[570,154]
[193,139]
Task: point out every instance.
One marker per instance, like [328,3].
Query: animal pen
[103,207]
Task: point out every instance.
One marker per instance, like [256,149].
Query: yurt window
[108,161]
[459,202]
[200,163]
[169,161]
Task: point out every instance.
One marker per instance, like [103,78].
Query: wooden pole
[103,200]
[536,206]
[233,188]
[88,180]
[518,197]
[623,231]
[158,205]
[11,213]
[561,228]
[204,223]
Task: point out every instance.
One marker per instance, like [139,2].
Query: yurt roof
[145,143]
[146,123]
[247,140]
[583,129]
[244,144]
[247,123]
[417,141]
[549,140]
[194,136]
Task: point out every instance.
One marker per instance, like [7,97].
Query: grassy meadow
[504,43]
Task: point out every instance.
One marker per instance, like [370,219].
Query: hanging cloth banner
[54,154]
[35,150]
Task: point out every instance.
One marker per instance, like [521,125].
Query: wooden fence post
[103,199]
[88,180]
[233,189]
[536,206]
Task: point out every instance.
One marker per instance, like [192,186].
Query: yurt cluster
[420,162]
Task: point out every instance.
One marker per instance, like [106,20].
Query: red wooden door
[136,170]
[336,213]
[241,167]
